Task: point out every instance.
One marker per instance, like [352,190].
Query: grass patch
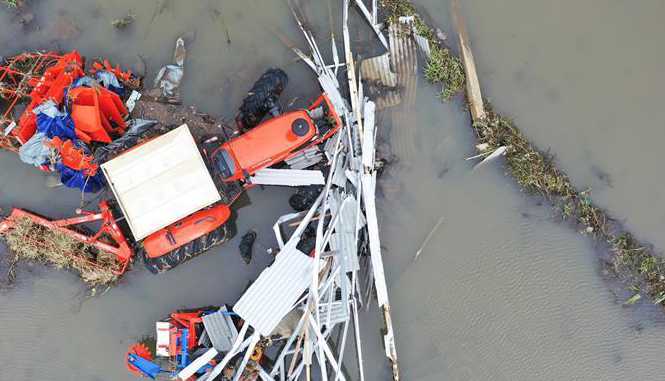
[443,67]
[32,242]
[11,3]
[446,69]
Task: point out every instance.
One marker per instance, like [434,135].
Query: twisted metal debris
[326,289]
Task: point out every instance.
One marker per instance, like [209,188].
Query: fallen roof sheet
[381,80]
[220,329]
[273,294]
[288,177]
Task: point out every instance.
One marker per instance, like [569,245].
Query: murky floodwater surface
[501,291]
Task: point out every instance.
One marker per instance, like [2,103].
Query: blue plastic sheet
[76,179]
[35,151]
[110,81]
[53,122]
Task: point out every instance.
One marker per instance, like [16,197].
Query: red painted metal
[140,350]
[73,157]
[186,230]
[188,320]
[19,76]
[108,238]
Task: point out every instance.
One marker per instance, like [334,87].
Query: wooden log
[473,93]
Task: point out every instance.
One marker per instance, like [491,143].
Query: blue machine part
[184,355]
[148,368]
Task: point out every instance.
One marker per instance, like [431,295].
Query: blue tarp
[53,122]
[76,179]
[110,81]
[34,151]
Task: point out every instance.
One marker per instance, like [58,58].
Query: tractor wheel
[262,98]
[190,250]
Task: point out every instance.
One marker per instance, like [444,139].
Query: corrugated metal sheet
[329,146]
[220,329]
[273,294]
[381,81]
[344,238]
[339,312]
[306,158]
[368,136]
[287,177]
[423,44]
[339,178]
[404,60]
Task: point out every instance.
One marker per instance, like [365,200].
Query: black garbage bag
[136,129]
[247,245]
[305,197]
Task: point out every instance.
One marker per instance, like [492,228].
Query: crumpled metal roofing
[274,293]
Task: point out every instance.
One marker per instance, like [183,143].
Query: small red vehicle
[275,140]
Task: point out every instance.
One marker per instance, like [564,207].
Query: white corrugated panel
[344,239]
[368,136]
[272,295]
[305,159]
[288,177]
[161,182]
[369,187]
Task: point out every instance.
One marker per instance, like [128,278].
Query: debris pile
[69,112]
[296,317]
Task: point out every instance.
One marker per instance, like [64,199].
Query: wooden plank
[473,93]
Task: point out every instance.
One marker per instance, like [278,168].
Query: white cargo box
[160,182]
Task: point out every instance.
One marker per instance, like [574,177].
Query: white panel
[161,182]
[163,338]
[287,177]
[272,295]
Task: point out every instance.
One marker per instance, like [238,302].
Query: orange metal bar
[121,250]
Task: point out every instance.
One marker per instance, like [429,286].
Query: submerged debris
[246,246]
[35,243]
[124,22]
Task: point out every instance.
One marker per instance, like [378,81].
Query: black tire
[262,98]
[188,251]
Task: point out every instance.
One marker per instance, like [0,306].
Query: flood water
[501,291]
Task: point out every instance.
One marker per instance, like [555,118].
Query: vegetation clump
[636,264]
[446,69]
[31,242]
[443,67]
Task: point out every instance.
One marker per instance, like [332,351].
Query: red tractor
[173,201]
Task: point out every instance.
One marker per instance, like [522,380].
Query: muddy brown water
[500,292]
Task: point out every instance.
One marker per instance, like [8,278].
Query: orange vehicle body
[272,141]
[186,230]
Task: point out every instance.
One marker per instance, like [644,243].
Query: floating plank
[473,94]
[287,177]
